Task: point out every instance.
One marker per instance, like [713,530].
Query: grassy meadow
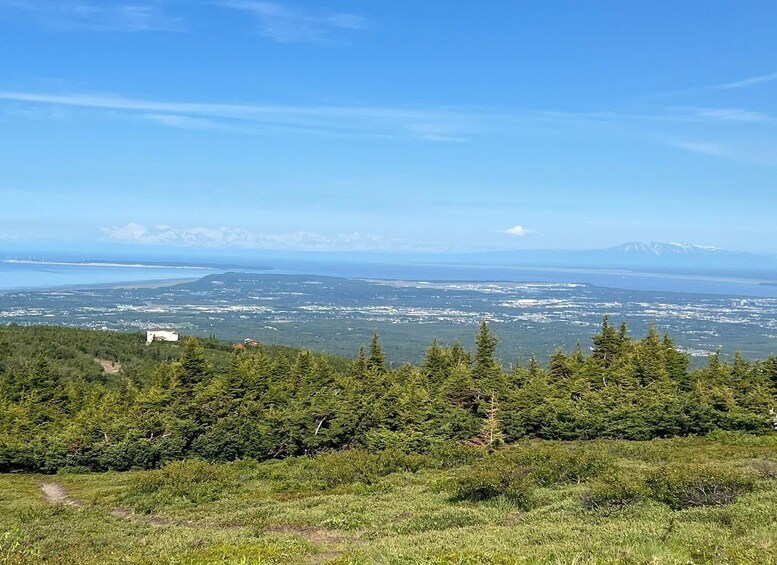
[682,500]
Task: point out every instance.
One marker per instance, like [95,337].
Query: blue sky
[399,125]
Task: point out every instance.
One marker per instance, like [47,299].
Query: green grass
[362,508]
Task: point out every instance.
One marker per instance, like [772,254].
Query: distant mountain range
[654,256]
[658,248]
[658,257]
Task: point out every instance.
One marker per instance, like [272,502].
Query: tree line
[59,410]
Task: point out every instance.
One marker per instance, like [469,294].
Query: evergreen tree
[57,408]
[360,365]
[607,344]
[458,355]
[304,366]
[436,363]
[560,369]
[377,360]
[193,367]
[486,372]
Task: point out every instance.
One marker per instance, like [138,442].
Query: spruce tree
[487,371]
[377,360]
[436,363]
[559,366]
[458,355]
[609,344]
[192,367]
[359,367]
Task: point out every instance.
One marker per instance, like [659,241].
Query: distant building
[251,342]
[161,334]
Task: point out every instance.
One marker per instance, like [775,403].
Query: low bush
[766,469]
[451,455]
[190,482]
[381,439]
[490,479]
[353,466]
[614,490]
[685,486]
[555,463]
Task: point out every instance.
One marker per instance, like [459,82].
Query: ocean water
[621,279]
[40,275]
[28,276]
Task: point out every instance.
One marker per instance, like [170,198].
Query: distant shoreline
[105,264]
[149,284]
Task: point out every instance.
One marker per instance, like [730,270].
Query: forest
[83,400]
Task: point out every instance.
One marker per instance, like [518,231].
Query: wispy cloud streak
[748,82]
[432,125]
[287,24]
[730,114]
[716,149]
[87,15]
[758,154]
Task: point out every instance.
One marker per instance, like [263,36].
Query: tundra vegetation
[198,453]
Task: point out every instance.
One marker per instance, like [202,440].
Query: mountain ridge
[635,255]
[667,248]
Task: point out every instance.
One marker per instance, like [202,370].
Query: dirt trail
[54,493]
[330,543]
[128,514]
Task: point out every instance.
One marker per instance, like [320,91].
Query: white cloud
[245,239]
[518,231]
[286,24]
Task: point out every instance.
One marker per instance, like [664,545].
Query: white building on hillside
[161,334]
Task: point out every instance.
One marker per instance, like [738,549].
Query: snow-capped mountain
[660,248]
[653,256]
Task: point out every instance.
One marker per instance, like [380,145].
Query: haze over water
[25,276]
[43,275]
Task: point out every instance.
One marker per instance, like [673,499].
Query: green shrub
[490,479]
[737,438]
[381,439]
[555,463]
[685,486]
[138,453]
[452,454]
[189,482]
[614,490]
[354,466]
[766,469]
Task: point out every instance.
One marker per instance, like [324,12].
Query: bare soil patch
[109,367]
[329,542]
[54,493]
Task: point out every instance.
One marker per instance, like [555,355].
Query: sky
[430,126]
